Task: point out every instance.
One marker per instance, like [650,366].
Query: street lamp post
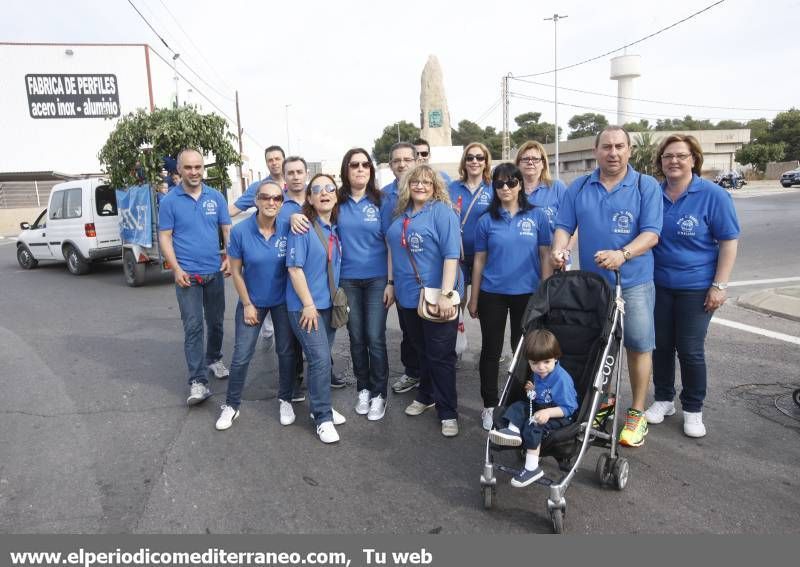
[555,19]
[175,72]
[288,139]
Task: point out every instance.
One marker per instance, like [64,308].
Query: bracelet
[389,282]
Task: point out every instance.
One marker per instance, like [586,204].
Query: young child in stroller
[552,401]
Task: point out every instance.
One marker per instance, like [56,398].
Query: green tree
[728,125]
[143,139]
[588,124]
[529,128]
[467,132]
[642,126]
[402,131]
[758,155]
[759,129]
[785,129]
[685,123]
[643,153]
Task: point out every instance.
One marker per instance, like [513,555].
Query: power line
[654,101]
[662,30]
[489,111]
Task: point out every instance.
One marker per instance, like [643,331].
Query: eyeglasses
[357,164]
[530,159]
[273,198]
[670,157]
[317,189]
[509,183]
[476,157]
[423,154]
[407,161]
[420,183]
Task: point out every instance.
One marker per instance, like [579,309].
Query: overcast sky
[349,67]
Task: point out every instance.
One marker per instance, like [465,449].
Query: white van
[79,226]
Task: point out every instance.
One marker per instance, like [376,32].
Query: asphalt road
[95,436]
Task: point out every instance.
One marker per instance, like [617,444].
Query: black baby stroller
[579,308]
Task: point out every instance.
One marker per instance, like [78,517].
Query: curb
[773,302]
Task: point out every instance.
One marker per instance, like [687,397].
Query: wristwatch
[448,294]
[626,253]
[719,285]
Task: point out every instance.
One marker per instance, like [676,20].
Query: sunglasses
[500,183]
[423,154]
[329,188]
[476,157]
[273,198]
[357,164]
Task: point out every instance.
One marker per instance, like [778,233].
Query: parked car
[80,227]
[790,178]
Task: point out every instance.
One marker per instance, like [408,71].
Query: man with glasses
[402,157]
[274,157]
[424,156]
[619,213]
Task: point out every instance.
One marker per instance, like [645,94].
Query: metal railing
[25,194]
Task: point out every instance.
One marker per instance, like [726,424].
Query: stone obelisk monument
[434,114]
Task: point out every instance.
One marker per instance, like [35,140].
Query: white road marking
[761,282]
[757,330]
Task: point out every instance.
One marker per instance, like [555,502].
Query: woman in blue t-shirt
[512,252]
[693,263]
[308,297]
[424,247]
[540,188]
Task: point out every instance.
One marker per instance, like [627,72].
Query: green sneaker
[606,410]
[635,430]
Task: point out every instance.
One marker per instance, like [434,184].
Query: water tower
[624,69]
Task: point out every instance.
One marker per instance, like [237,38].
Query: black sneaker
[337,382]
[526,477]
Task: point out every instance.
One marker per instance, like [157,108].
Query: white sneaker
[338,419]
[287,413]
[656,412]
[449,427]
[198,393]
[327,432]
[362,406]
[219,370]
[693,424]
[377,408]
[487,418]
[226,418]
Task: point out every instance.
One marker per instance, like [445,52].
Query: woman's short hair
[420,172]
[534,145]
[504,172]
[373,193]
[694,149]
[541,344]
[308,210]
[487,171]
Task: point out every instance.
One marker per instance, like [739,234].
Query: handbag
[429,296]
[340,311]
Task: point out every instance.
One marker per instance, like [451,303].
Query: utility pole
[555,19]
[398,131]
[175,73]
[239,135]
[288,139]
[506,152]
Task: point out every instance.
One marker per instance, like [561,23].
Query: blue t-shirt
[195,227]
[307,252]
[391,194]
[687,253]
[483,194]
[263,261]
[248,198]
[609,220]
[432,236]
[289,208]
[548,198]
[556,389]
[512,250]
[361,225]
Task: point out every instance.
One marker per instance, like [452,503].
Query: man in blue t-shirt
[619,214]
[274,157]
[190,220]
[424,156]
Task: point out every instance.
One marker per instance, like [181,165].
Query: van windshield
[105,199]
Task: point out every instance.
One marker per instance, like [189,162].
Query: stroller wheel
[557,517]
[796,396]
[488,493]
[620,471]
[603,469]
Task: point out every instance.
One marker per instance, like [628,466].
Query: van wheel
[134,272]
[76,265]
[25,258]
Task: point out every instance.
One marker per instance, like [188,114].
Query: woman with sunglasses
[257,253]
[424,249]
[512,252]
[471,195]
[308,297]
[362,220]
[541,189]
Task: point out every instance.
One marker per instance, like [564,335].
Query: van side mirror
[25,225]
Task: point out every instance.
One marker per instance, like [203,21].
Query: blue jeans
[436,344]
[367,328]
[532,434]
[640,333]
[203,299]
[317,346]
[246,338]
[681,325]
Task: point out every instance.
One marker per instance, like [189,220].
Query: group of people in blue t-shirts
[489,236]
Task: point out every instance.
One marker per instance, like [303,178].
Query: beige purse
[340,311]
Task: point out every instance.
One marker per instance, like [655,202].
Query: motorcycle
[730,180]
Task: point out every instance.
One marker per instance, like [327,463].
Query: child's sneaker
[526,477]
[635,430]
[605,411]
[505,437]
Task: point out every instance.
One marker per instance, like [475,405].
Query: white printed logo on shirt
[526,227]
[415,242]
[210,207]
[281,246]
[370,213]
[623,222]
[687,225]
[484,198]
